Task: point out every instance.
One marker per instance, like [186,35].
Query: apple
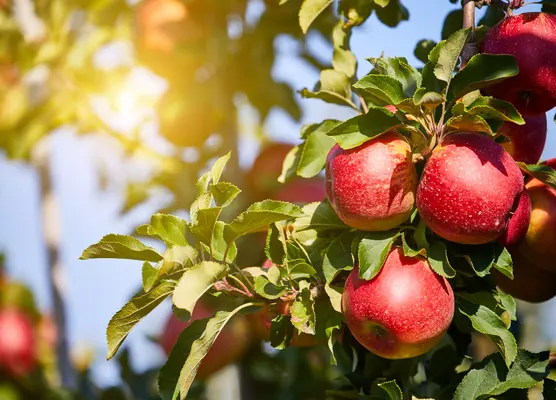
[539,244]
[17,343]
[372,187]
[402,312]
[531,282]
[517,226]
[262,178]
[526,141]
[302,191]
[531,39]
[468,189]
[228,347]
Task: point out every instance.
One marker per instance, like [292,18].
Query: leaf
[392,390]
[543,173]
[399,69]
[373,251]
[176,259]
[267,289]
[290,164]
[357,130]
[275,248]
[177,375]
[483,70]
[194,283]
[148,275]
[449,55]
[129,315]
[260,215]
[468,123]
[430,100]
[338,256]
[224,193]
[438,260]
[303,310]
[300,269]
[508,303]
[409,252]
[481,259]
[489,323]
[281,332]
[334,87]
[203,226]
[491,377]
[491,108]
[219,245]
[218,167]
[310,10]
[334,322]
[168,228]
[316,149]
[384,87]
[121,246]
[343,59]
[319,216]
[423,48]
[503,261]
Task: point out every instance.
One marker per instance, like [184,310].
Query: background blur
[108,161]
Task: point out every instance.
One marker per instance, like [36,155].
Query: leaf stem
[246,291]
[363,104]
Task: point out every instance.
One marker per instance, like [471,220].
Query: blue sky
[97,289]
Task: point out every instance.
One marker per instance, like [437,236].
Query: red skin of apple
[18,353]
[539,244]
[468,189]
[531,39]
[526,141]
[372,187]
[229,346]
[267,167]
[402,312]
[302,191]
[531,282]
[518,222]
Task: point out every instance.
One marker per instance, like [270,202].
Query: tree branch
[470,48]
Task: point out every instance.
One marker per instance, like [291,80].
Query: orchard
[388,254]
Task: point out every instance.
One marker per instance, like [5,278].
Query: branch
[471,47]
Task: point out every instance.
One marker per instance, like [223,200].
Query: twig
[470,48]
[363,104]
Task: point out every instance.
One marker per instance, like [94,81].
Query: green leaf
[409,252]
[489,323]
[316,148]
[483,70]
[219,245]
[503,261]
[319,216]
[218,167]
[281,332]
[549,386]
[334,322]
[481,259]
[420,235]
[373,251]
[338,256]
[334,87]
[176,259]
[423,49]
[148,275]
[381,3]
[303,310]
[542,172]
[384,87]
[492,377]
[343,59]
[438,260]
[224,193]
[194,283]
[203,226]
[392,390]
[491,108]
[267,289]
[121,246]
[129,315]
[468,123]
[275,248]
[177,375]
[258,216]
[168,228]
[357,130]
[290,164]
[300,269]
[310,10]
[449,55]
[399,69]
[430,100]
[508,303]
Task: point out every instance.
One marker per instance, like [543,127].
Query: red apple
[468,189]
[526,141]
[531,39]
[403,311]
[267,167]
[518,223]
[228,347]
[372,187]
[539,245]
[302,191]
[531,282]
[17,343]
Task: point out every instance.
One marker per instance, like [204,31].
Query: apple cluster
[470,191]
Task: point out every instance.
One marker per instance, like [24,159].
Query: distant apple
[262,178]
[17,343]
[302,191]
[526,141]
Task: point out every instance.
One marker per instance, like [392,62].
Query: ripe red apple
[531,282]
[531,39]
[228,347]
[526,141]
[539,244]
[302,191]
[262,178]
[372,187]
[468,189]
[403,311]
[17,343]
[518,223]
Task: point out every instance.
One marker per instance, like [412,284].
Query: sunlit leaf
[121,246]
[310,10]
